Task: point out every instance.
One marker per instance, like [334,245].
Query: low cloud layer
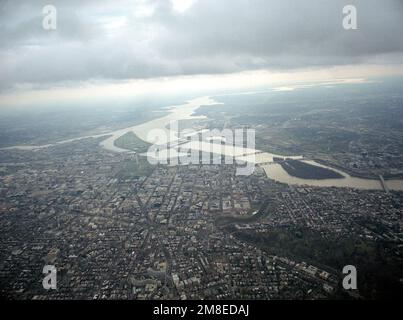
[115,40]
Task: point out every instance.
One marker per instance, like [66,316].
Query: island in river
[305,170]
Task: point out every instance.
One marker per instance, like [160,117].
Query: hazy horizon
[121,49]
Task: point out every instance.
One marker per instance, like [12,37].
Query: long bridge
[383,184]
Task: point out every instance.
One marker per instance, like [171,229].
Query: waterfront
[157,130]
[276,172]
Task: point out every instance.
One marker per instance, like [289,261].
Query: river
[156,129]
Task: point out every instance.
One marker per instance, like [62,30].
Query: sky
[121,47]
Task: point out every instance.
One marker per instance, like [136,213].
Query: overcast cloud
[114,40]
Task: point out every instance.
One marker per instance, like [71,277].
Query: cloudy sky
[139,45]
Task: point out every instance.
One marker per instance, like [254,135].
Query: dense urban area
[116,227]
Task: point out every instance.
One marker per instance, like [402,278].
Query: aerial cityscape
[186,178]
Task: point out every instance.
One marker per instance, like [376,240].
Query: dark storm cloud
[147,38]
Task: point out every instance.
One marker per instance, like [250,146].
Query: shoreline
[355,174]
[149,131]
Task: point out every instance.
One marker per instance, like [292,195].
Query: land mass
[304,170]
[130,141]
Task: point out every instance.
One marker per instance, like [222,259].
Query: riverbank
[355,174]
